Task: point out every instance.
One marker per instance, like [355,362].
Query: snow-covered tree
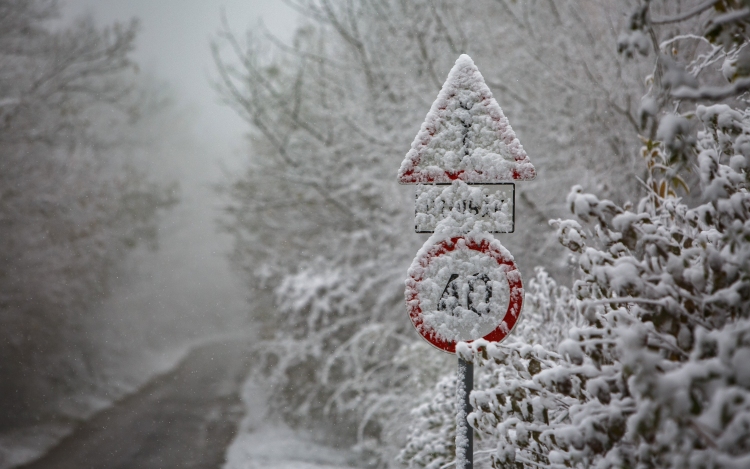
[656,373]
[71,204]
[324,234]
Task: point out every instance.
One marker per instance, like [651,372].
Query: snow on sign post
[464,285]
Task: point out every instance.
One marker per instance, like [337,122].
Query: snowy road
[266,443]
[185,418]
[200,415]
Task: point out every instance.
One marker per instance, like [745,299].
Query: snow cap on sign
[465,136]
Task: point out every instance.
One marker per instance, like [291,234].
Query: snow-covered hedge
[650,366]
[657,373]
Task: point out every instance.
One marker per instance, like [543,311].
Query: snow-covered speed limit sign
[462,288]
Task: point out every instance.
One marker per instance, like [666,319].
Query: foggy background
[173,44]
[320,233]
[163,301]
[203,242]
[185,289]
[189,277]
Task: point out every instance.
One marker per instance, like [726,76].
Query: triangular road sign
[465,136]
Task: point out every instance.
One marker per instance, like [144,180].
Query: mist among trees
[633,346]
[101,217]
[73,203]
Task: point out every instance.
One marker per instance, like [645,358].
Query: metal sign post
[464,285]
[464,433]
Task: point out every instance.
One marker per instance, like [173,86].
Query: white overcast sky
[173,44]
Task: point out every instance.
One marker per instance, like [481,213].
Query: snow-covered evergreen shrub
[658,375]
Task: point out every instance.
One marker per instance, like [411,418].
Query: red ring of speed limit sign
[485,245]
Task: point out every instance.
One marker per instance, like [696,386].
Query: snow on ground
[22,445]
[28,443]
[25,444]
[276,446]
[261,442]
[267,443]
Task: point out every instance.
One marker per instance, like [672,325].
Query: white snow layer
[465,136]
[462,425]
[23,445]
[492,206]
[462,293]
[266,442]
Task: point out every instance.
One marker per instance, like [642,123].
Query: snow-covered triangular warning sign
[465,136]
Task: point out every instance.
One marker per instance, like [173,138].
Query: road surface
[186,418]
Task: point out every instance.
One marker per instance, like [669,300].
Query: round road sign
[463,288]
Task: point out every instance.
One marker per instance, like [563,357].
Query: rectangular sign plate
[493,204]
